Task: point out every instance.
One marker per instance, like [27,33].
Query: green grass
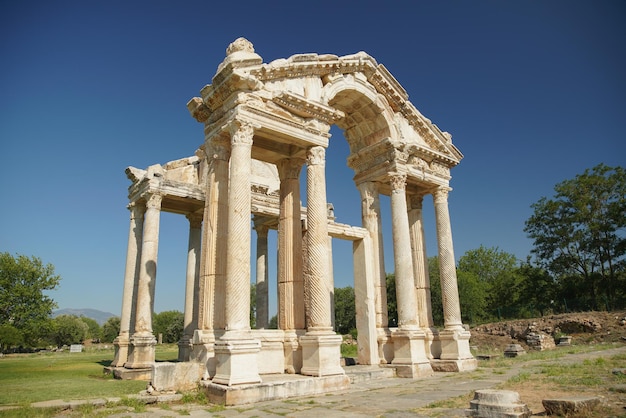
[29,378]
[349,350]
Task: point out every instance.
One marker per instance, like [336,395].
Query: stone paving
[387,397]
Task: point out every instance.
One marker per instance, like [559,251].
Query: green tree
[69,329]
[163,321]
[435,290]
[23,303]
[345,311]
[273,322]
[94,329]
[111,329]
[10,337]
[392,304]
[539,290]
[579,235]
[498,281]
[253,306]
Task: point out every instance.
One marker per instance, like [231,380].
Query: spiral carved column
[131,277]
[447,268]
[454,339]
[420,261]
[320,345]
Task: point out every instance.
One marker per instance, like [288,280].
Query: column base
[293,352]
[236,355]
[141,353]
[455,344]
[121,344]
[203,351]
[385,345]
[410,354]
[321,353]
[433,344]
[184,348]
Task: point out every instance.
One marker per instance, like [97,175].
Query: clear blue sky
[533,92]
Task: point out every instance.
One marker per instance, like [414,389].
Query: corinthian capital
[153,201]
[397,182]
[289,168]
[316,156]
[241,133]
[441,194]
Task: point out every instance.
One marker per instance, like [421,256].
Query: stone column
[210,306]
[262,273]
[454,339]
[236,352]
[191,285]
[131,276]
[320,345]
[142,340]
[409,340]
[420,270]
[290,271]
[372,221]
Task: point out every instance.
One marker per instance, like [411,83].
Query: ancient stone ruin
[262,124]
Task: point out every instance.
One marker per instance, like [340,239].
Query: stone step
[359,374]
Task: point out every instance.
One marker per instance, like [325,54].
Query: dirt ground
[585,328]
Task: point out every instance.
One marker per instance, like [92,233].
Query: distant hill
[99,316]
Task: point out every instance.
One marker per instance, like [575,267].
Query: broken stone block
[497,403]
[566,406]
[514,350]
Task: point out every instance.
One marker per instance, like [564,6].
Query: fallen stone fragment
[491,403]
[618,371]
[565,406]
[514,350]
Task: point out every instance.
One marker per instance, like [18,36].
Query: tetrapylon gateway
[263,123]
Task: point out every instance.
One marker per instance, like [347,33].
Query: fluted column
[420,261]
[290,280]
[143,341]
[131,277]
[403,260]
[320,345]
[447,267]
[372,221]
[454,339]
[191,285]
[409,341]
[262,273]
[236,351]
[210,304]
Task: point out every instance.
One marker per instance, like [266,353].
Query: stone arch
[368,118]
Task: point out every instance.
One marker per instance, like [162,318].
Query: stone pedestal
[455,351]
[409,354]
[321,354]
[236,356]
[497,403]
[203,351]
[142,352]
[293,353]
[121,344]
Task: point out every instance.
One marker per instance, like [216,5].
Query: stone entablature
[263,125]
